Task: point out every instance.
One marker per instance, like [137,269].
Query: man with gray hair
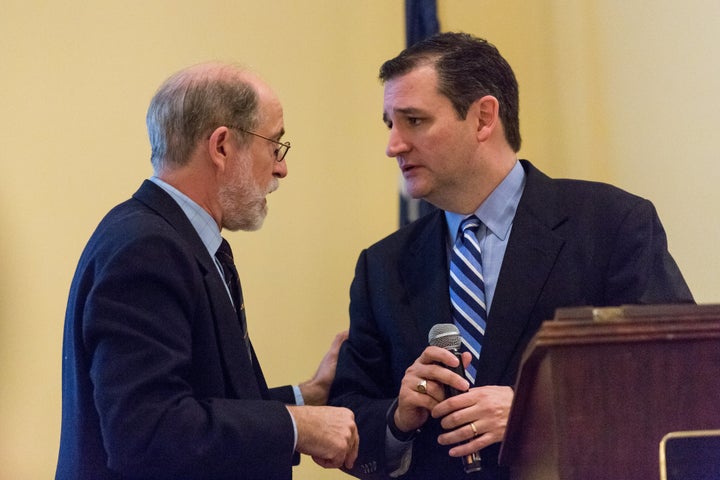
[160,379]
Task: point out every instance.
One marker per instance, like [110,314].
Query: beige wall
[624,92]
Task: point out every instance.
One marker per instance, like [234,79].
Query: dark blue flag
[420,22]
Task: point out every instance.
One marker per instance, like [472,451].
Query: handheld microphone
[447,336]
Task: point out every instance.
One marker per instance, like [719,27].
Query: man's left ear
[486,111]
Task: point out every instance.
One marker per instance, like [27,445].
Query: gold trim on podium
[682,434]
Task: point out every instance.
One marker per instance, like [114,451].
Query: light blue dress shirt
[496,214]
[204,224]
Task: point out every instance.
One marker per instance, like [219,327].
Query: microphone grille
[445,335]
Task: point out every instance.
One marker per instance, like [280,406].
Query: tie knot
[471,223]
[224,252]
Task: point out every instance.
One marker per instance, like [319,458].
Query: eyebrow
[407,111]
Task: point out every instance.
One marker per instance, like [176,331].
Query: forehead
[416,90]
[271,112]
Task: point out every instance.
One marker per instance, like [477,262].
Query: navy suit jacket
[573,243]
[157,380]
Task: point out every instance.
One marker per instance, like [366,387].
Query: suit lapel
[531,253]
[228,331]
[237,362]
[424,273]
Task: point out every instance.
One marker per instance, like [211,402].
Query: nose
[280,169]
[396,144]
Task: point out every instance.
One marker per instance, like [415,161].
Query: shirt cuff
[295,433]
[299,400]
[398,445]
[398,454]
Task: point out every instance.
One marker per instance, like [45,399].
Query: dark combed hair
[468,68]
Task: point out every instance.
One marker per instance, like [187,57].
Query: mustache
[274,185]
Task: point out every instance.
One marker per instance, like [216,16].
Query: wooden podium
[599,388]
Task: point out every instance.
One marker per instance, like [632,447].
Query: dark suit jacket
[157,381]
[573,243]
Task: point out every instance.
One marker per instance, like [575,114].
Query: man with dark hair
[507,247]
[160,379]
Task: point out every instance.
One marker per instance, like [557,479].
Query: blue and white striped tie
[467,291]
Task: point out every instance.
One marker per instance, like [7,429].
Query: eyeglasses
[279,152]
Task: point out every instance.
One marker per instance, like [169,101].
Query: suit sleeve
[143,316]
[362,382]
[284,394]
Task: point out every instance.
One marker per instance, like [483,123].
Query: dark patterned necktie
[232,281]
[467,291]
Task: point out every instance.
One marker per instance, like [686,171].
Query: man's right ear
[486,111]
[217,146]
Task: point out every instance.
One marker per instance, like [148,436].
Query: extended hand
[328,434]
[316,390]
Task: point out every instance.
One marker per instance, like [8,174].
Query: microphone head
[445,335]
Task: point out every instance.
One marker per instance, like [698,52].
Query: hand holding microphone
[473,418]
[423,388]
[447,336]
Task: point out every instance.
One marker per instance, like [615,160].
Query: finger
[457,435]
[433,390]
[336,344]
[451,410]
[470,446]
[436,373]
[421,386]
[421,393]
[339,339]
[466,359]
[353,454]
[432,355]
[326,462]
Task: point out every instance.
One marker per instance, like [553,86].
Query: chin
[416,192]
[415,187]
[247,223]
[256,222]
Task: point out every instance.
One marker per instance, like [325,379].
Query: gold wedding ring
[422,386]
[475,433]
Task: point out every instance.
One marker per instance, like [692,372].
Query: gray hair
[192,103]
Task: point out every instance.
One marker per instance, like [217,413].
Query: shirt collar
[204,224]
[498,209]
